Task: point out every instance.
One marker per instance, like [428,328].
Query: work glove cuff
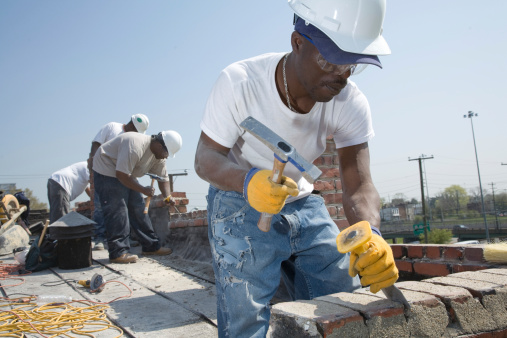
[248,177]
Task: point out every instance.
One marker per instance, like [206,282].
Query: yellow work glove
[264,195]
[375,266]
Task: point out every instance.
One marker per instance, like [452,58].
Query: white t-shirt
[108,132]
[129,153]
[73,178]
[248,88]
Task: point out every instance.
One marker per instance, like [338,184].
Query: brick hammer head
[156,177]
[281,148]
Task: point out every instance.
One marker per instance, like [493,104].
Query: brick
[313,318]
[329,172]
[474,254]
[338,184]
[453,253]
[483,276]
[341,223]
[431,269]
[332,210]
[382,315]
[433,252]
[415,251]
[341,212]
[322,185]
[332,198]
[404,266]
[399,251]
[468,267]
[475,287]
[179,194]
[336,160]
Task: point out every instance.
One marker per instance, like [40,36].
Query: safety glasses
[329,67]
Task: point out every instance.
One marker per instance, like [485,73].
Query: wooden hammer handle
[264,223]
[148,199]
[43,233]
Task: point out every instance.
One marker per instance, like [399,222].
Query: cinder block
[427,317]
[478,321]
[314,318]
[466,314]
[384,318]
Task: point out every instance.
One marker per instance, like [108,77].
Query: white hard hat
[141,122]
[172,141]
[354,25]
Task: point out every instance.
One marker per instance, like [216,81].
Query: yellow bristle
[496,252]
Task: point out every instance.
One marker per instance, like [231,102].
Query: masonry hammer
[148,199]
[283,153]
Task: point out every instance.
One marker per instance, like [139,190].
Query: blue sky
[69,67]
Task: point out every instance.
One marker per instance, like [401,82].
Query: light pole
[470,115]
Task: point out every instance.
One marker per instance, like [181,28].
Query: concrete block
[384,318]
[427,317]
[474,319]
[484,276]
[314,318]
[463,309]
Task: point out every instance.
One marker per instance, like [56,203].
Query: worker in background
[138,123]
[64,186]
[116,166]
[304,96]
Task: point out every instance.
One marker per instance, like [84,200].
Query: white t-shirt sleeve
[101,136]
[354,124]
[221,116]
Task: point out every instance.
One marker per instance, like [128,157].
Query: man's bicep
[355,165]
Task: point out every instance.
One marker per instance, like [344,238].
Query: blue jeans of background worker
[98,217]
[123,209]
[248,263]
[59,201]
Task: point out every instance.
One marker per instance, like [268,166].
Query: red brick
[179,194]
[333,211]
[431,269]
[399,251]
[321,185]
[338,184]
[415,251]
[405,266]
[330,147]
[199,222]
[474,254]
[332,198]
[330,172]
[433,252]
[341,212]
[468,267]
[336,160]
[341,223]
[453,253]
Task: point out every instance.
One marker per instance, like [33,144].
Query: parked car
[459,227]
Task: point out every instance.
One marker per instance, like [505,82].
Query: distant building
[390,214]
[8,188]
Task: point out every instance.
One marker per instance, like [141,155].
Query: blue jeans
[98,217]
[248,263]
[123,208]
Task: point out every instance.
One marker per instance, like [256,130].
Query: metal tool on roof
[355,238]
[284,153]
[95,284]
[148,199]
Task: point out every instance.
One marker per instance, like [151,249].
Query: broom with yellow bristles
[496,252]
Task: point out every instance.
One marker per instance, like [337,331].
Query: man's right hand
[264,195]
[149,191]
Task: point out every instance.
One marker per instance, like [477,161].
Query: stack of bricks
[417,261]
[329,184]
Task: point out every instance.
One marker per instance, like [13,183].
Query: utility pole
[171,184]
[420,158]
[494,204]
[470,115]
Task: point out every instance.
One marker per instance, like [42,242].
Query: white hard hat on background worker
[172,141]
[141,122]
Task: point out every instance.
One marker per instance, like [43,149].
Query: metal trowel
[354,239]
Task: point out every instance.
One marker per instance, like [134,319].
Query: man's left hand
[375,266]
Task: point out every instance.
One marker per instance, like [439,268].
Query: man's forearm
[129,181]
[363,205]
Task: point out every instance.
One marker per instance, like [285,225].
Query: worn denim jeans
[98,217]
[123,208]
[248,263]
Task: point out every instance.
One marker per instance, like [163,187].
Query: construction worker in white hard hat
[304,96]
[138,123]
[116,166]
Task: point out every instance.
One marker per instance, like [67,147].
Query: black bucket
[74,253]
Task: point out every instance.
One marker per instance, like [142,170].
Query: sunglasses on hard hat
[329,67]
